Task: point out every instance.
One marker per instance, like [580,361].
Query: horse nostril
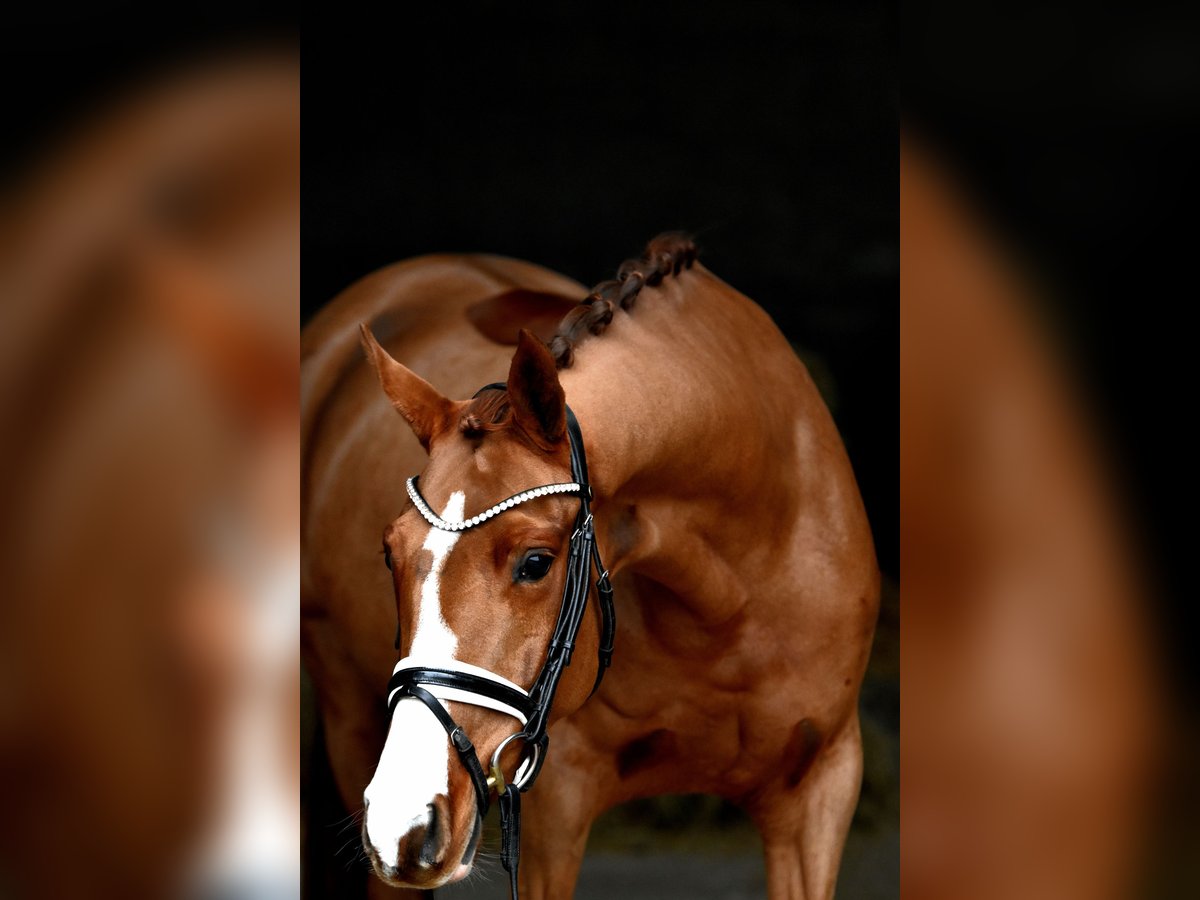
[429,845]
[425,845]
[437,832]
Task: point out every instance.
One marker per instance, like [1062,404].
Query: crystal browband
[437,521]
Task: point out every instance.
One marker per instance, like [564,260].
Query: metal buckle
[586,523]
[459,739]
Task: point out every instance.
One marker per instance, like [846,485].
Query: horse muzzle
[424,856]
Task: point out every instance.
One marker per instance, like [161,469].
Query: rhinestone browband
[532,494]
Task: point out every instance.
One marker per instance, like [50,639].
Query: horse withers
[722,503]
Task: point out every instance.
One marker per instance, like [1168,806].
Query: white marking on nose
[415,764]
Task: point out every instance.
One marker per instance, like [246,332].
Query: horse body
[727,512]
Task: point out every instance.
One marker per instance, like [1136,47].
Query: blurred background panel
[569,136]
[149,257]
[1048,185]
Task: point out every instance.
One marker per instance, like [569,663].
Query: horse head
[479,563]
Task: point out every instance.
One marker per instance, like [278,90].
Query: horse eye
[534,566]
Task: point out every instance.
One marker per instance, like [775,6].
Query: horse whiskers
[361,859]
[355,839]
[353,820]
[483,869]
[360,854]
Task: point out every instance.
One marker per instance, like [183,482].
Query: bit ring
[496,779]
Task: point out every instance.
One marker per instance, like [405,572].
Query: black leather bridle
[470,684]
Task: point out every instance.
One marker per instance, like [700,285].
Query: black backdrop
[569,136]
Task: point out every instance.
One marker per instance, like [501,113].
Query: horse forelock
[490,411]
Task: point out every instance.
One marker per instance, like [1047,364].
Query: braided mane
[664,255]
[667,254]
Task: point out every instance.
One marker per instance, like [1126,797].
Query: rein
[465,683]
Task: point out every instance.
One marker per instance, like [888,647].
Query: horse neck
[694,410]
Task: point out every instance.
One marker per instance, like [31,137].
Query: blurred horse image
[149,716]
[1033,710]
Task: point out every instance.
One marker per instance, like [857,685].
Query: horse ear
[537,399]
[422,406]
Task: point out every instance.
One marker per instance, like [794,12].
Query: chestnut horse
[725,509]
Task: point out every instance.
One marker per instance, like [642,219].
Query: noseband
[453,680]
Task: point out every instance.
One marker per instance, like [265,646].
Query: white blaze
[415,764]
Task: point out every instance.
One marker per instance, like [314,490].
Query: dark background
[570,136]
